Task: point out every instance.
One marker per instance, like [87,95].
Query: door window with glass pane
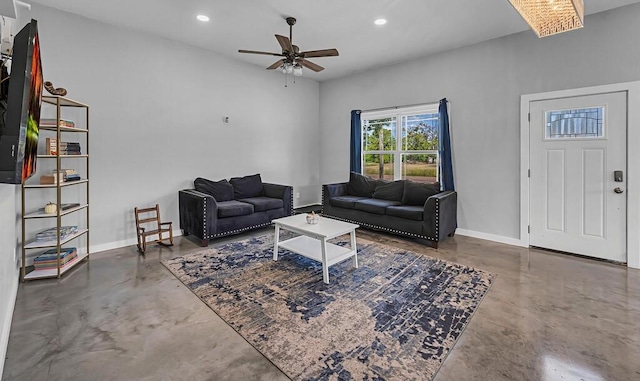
[575,123]
[401,144]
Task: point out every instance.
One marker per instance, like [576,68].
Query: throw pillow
[219,190]
[361,185]
[391,191]
[416,194]
[247,186]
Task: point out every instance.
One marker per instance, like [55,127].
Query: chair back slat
[150,216]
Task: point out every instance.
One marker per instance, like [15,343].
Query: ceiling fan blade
[311,65]
[276,64]
[320,53]
[257,52]
[285,43]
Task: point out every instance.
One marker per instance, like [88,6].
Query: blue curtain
[444,137]
[356,142]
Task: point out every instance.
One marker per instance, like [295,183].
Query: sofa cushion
[416,194]
[247,186]
[348,202]
[373,205]
[220,190]
[260,204]
[361,185]
[389,190]
[234,208]
[406,211]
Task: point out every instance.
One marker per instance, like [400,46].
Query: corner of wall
[9,274]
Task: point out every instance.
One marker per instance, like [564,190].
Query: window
[401,143]
[576,123]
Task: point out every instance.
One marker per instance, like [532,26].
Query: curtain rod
[403,106]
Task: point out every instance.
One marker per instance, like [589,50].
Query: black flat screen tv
[20,120]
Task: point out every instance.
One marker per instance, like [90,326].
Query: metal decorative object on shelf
[60,91]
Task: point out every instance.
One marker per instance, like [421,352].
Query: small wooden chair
[160,227]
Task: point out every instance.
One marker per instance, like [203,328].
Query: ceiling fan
[293,59]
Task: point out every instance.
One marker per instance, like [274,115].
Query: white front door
[577,205]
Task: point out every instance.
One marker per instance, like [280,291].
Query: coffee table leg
[354,248]
[325,267]
[275,243]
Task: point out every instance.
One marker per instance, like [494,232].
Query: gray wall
[156,124]
[156,119]
[484,83]
[157,109]
[8,265]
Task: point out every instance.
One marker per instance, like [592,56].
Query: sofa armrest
[283,192]
[440,215]
[332,190]
[198,213]
[335,190]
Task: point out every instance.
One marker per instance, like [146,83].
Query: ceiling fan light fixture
[549,17]
[287,68]
[297,70]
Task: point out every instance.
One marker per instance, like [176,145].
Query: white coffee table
[313,241]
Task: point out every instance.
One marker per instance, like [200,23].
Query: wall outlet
[297,194]
[15,255]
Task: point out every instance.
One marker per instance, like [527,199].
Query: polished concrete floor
[123,316]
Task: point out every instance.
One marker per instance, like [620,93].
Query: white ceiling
[415,28]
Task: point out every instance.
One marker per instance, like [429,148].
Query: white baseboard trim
[6,323]
[123,243]
[305,205]
[490,237]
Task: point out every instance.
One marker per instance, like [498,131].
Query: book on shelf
[51,234]
[71,175]
[49,259]
[66,148]
[53,263]
[64,175]
[53,254]
[47,122]
[65,206]
[72,178]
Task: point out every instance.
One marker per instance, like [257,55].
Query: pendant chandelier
[549,17]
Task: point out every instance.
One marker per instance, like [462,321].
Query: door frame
[633,159]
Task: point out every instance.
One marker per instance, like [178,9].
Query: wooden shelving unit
[59,103]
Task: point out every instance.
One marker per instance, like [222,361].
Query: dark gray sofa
[220,208]
[400,207]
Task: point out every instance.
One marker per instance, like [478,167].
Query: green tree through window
[401,144]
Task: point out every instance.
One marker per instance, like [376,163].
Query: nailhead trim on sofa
[388,229]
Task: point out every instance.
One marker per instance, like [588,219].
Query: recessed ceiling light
[380,21]
[202,18]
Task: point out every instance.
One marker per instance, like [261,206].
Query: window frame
[398,113]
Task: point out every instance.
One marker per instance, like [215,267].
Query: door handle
[618,190]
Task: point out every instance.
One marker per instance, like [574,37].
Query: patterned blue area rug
[396,317]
